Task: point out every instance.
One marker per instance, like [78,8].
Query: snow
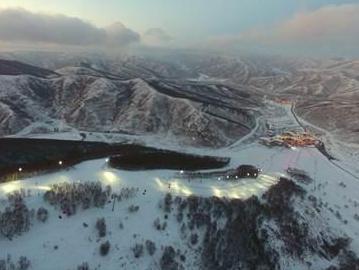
[39,242]
[78,244]
[74,103]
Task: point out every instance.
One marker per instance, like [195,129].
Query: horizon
[312,28]
[175,135]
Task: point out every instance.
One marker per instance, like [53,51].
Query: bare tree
[137,250]
[42,214]
[151,247]
[105,248]
[101,227]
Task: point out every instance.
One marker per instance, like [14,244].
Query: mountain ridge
[85,99]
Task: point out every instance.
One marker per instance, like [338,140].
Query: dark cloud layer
[19,25]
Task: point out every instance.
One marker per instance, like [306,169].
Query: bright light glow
[176,186]
[186,191]
[107,160]
[60,162]
[181,172]
[245,188]
[109,177]
[237,189]
[10,187]
[43,188]
[20,169]
[159,182]
[217,192]
[234,195]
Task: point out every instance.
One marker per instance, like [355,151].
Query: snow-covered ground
[76,244]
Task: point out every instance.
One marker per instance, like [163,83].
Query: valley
[179,135]
[328,209]
[131,169]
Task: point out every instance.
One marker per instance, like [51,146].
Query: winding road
[330,160]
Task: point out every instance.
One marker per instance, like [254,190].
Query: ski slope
[76,243]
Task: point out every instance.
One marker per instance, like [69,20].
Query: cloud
[332,29]
[119,34]
[156,37]
[334,23]
[19,25]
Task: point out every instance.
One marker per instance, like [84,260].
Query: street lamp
[20,169]
[60,162]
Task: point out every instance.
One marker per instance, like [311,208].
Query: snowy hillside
[164,220]
[85,99]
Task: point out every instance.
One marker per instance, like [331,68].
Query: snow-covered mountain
[300,213]
[161,219]
[326,91]
[89,99]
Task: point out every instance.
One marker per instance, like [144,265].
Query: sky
[223,23]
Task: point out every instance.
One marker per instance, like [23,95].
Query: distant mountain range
[199,98]
[326,91]
[130,101]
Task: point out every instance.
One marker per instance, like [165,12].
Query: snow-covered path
[152,181]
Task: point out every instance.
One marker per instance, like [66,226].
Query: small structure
[242,171]
[290,139]
[245,171]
